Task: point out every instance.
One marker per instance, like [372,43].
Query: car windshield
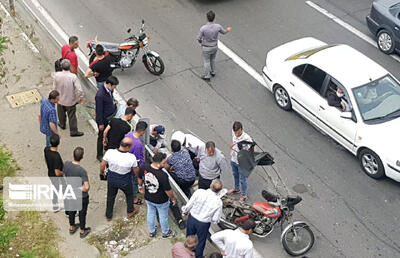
[379,100]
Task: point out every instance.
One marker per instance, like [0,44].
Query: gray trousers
[209,54]
[62,118]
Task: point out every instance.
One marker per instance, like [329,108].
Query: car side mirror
[129,30]
[346,115]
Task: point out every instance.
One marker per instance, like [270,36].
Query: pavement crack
[140,86]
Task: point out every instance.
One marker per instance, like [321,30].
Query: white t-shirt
[120,162]
[235,148]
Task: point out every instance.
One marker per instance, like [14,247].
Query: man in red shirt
[68,52]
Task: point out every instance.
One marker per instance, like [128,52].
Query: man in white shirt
[236,243]
[204,208]
[238,135]
[122,165]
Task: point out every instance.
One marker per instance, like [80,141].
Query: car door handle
[321,107]
[292,84]
[396,28]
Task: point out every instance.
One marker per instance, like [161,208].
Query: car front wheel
[282,98]
[385,42]
[371,164]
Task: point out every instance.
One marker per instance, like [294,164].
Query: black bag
[249,159]
[57,63]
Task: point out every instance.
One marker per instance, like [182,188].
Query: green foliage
[3,44]
[7,232]
[8,165]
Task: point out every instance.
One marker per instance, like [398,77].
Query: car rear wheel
[282,98]
[371,164]
[385,42]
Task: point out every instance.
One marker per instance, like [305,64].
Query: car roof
[387,3]
[350,67]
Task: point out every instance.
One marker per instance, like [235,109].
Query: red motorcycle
[297,238]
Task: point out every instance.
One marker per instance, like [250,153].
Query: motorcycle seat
[269,196]
[110,47]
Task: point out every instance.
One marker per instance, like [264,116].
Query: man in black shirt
[101,67]
[54,166]
[117,128]
[157,193]
[73,169]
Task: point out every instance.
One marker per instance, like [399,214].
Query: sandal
[233,191]
[243,198]
[86,232]
[72,231]
[138,202]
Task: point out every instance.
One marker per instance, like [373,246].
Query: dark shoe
[153,234]
[77,134]
[138,202]
[206,79]
[181,224]
[86,232]
[72,231]
[62,127]
[212,74]
[170,234]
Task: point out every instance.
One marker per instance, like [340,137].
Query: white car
[303,72]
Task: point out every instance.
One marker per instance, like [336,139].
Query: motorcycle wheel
[153,64]
[299,243]
[91,59]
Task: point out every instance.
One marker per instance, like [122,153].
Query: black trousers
[82,214]
[112,191]
[100,146]
[62,118]
[185,186]
[200,229]
[205,183]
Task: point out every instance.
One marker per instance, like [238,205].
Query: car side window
[298,70]
[314,77]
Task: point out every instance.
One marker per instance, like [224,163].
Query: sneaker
[233,191]
[206,79]
[181,224]
[153,234]
[56,209]
[77,134]
[170,234]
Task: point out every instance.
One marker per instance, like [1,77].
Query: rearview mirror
[346,115]
[142,21]
[129,30]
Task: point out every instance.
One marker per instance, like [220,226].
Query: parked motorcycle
[124,55]
[297,238]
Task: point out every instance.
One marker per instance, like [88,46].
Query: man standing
[132,103]
[105,110]
[101,67]
[204,208]
[67,84]
[48,116]
[185,250]
[157,193]
[117,128]
[137,150]
[181,167]
[238,135]
[212,164]
[74,169]
[208,38]
[236,243]
[54,166]
[121,166]
[68,52]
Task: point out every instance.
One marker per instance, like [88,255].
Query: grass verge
[25,234]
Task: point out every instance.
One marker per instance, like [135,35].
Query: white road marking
[4,10]
[239,61]
[347,26]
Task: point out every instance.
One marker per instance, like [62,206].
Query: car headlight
[398,163]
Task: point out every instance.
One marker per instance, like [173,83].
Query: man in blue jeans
[238,135]
[157,193]
[48,116]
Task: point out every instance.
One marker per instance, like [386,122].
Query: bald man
[186,249]
[122,165]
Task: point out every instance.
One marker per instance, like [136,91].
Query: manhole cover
[23,98]
[300,188]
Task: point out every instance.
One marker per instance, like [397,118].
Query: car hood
[384,138]
[281,53]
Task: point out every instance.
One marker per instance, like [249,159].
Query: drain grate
[24,98]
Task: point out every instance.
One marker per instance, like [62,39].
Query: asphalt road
[351,214]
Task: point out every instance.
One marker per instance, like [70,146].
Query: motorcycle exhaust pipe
[231,225]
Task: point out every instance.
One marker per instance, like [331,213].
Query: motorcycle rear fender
[290,225]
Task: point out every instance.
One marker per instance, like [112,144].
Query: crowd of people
[121,154]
